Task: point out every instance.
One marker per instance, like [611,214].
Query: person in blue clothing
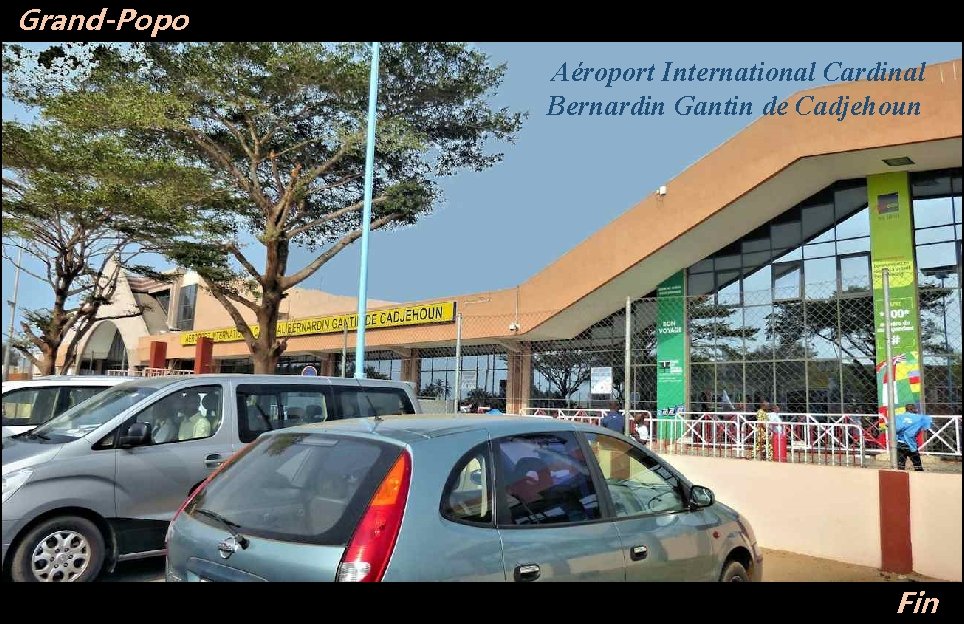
[908,425]
[613,419]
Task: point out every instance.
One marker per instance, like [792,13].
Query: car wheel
[63,549]
[734,572]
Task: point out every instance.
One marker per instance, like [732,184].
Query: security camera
[661,191]
[513,327]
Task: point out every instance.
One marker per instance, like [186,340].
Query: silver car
[100,483]
[455,498]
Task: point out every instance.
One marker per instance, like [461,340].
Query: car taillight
[197,490]
[370,548]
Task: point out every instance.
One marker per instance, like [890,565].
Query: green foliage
[83,206]
[281,128]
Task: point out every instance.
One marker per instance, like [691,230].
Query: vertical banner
[892,248]
[671,355]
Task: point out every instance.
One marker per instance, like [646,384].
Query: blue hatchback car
[455,498]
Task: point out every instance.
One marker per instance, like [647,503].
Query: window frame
[501,504]
[685,485]
[485,448]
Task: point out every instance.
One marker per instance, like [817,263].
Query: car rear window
[366,402]
[298,487]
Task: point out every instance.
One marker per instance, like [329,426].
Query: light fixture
[900,161]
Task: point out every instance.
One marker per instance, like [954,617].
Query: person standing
[908,425]
[614,419]
[761,438]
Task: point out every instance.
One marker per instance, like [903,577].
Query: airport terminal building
[757,273]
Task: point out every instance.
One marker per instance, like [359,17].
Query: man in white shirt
[194,423]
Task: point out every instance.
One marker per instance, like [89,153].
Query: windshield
[91,414]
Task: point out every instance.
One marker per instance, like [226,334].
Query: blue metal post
[366,218]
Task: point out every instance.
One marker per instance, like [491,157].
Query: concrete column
[203,351]
[518,384]
[412,368]
[158,357]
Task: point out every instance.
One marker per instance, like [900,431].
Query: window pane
[468,493]
[545,480]
[791,387]
[79,394]
[821,277]
[306,488]
[855,273]
[786,280]
[792,254]
[936,261]
[821,250]
[189,414]
[638,484]
[853,245]
[760,244]
[855,225]
[930,185]
[727,262]
[817,219]
[703,266]
[28,406]
[756,287]
[936,211]
[264,408]
[848,201]
[785,235]
[700,284]
[934,235]
[728,285]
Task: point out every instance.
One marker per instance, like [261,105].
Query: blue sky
[565,177]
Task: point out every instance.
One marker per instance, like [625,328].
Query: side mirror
[701,496]
[138,434]
[476,477]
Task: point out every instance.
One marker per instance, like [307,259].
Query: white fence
[833,439]
[148,372]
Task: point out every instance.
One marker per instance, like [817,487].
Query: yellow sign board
[422,314]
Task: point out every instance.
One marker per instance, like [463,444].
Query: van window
[365,402]
[189,414]
[266,407]
[75,395]
[29,406]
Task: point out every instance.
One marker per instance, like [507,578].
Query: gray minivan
[100,483]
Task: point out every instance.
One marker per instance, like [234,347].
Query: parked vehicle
[455,498]
[100,483]
[33,402]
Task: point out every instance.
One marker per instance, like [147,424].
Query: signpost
[309,371]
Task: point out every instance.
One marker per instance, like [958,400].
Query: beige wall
[935,524]
[823,511]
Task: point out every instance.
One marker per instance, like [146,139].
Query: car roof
[410,429]
[47,381]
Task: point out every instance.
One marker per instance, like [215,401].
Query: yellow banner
[423,314]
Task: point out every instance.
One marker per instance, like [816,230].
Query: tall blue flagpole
[366,218]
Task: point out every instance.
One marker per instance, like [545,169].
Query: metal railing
[148,372]
[831,439]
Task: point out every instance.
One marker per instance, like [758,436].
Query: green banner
[671,355]
[892,248]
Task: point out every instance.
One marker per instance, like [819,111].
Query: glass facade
[937,246]
[786,312]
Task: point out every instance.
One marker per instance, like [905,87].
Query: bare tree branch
[331,252]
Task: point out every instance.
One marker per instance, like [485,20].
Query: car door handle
[638,553]
[526,572]
[213,460]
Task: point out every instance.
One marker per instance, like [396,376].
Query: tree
[82,207]
[283,126]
